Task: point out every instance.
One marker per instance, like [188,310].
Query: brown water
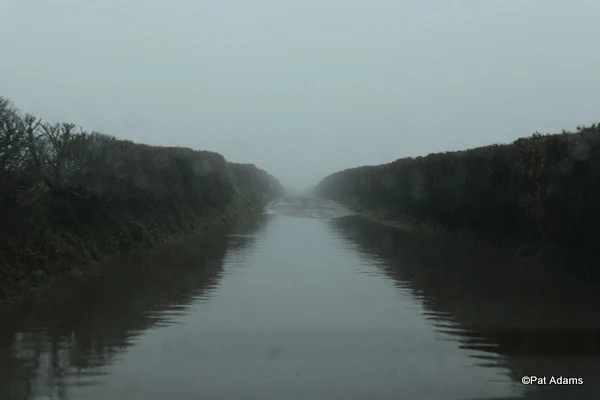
[299,304]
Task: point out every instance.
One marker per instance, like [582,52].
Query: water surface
[306,301]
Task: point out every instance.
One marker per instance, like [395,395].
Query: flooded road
[305,302]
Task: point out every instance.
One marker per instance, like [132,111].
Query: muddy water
[304,302]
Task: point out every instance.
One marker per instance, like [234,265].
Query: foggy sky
[303,88]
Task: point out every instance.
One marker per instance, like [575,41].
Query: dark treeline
[543,191]
[68,196]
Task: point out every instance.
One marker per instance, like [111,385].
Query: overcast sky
[303,88]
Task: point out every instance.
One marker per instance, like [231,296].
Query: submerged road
[308,301]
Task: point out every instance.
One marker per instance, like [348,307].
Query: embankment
[537,195]
[68,198]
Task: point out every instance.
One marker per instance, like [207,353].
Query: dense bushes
[68,196]
[543,190]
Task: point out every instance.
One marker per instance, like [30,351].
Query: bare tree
[13,142]
[30,126]
[58,137]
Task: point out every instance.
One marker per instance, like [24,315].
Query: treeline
[543,190]
[68,196]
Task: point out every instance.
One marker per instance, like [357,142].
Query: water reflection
[72,338]
[292,307]
[502,312]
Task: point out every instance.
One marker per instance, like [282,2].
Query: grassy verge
[80,255]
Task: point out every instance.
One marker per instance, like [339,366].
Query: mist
[305,88]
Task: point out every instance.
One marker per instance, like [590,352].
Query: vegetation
[68,197]
[539,193]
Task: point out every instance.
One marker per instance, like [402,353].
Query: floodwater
[305,302]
